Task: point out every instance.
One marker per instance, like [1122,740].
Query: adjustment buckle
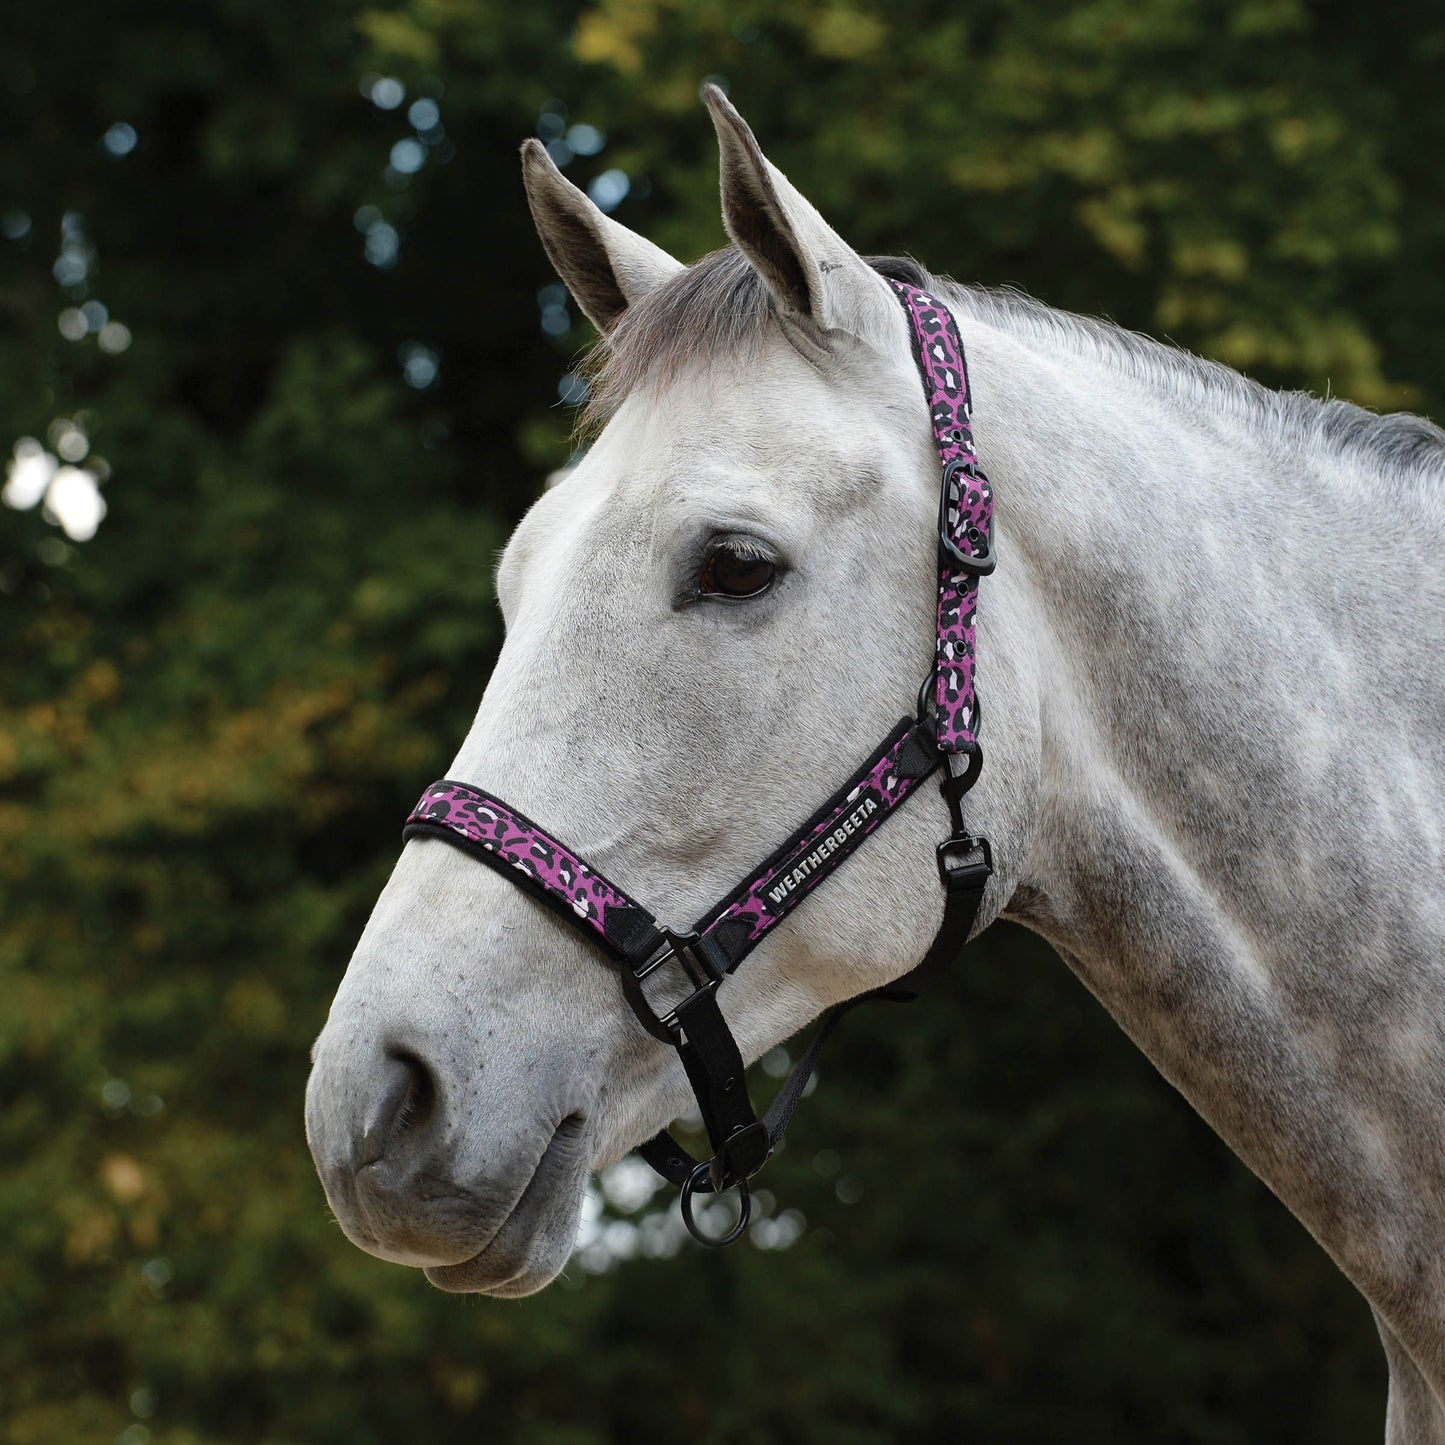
[740,1156]
[982,562]
[699,968]
[953,871]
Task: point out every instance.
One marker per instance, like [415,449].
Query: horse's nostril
[404,1102]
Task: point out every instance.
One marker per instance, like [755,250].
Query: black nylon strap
[780,1111]
[717,1073]
[960,909]
[667,1157]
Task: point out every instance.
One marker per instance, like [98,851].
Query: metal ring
[745,1208]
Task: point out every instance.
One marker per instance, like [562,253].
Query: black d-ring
[745,1208]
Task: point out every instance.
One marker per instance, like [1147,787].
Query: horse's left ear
[605,266]
[813,273]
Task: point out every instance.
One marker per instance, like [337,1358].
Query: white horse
[1215,725]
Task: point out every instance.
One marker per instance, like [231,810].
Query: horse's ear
[605,266]
[813,273]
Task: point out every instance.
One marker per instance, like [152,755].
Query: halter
[671,979]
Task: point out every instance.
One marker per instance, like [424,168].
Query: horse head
[714,615]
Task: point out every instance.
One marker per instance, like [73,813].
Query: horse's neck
[1230,824]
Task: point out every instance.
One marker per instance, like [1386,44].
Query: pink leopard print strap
[513,844]
[966,513]
[767,895]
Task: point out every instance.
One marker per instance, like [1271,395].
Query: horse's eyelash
[743,546]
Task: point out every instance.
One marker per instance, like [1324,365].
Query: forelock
[718,307]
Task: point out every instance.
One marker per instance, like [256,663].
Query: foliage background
[332,397]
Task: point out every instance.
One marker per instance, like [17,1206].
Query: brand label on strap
[814,858]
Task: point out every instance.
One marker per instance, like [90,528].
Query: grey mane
[720,308]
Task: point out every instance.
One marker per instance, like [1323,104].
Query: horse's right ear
[605,266]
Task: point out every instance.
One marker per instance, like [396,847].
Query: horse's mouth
[533,1242]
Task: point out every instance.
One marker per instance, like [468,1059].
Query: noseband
[671,979]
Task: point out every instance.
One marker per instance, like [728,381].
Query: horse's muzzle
[423,1167]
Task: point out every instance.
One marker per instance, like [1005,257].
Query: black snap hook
[694,1181]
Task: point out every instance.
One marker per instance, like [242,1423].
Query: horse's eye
[731,573]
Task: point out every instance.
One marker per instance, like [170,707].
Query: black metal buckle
[980,563]
[954,873]
[740,1156]
[701,972]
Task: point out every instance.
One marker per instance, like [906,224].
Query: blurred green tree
[268,283]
